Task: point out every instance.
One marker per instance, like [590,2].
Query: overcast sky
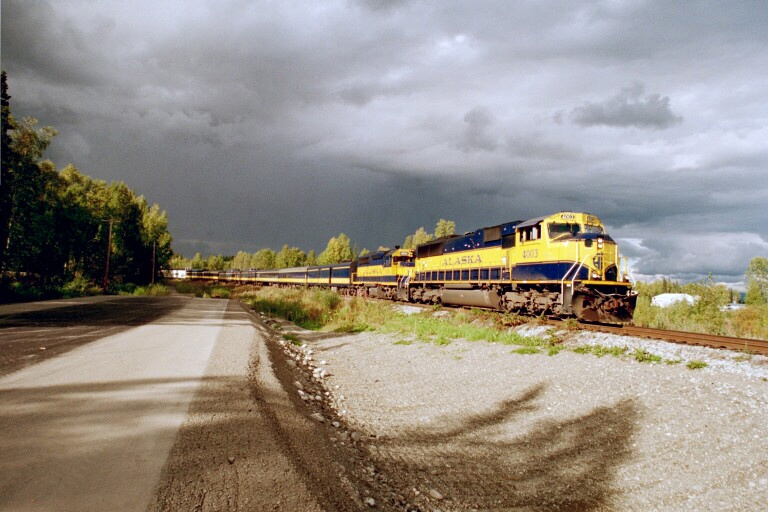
[256,124]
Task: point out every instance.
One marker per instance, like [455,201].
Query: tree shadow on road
[31,337]
[491,461]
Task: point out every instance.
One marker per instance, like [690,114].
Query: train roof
[531,222]
[536,220]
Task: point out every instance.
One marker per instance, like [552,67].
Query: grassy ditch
[325,310]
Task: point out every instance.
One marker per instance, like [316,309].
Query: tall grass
[325,310]
[311,309]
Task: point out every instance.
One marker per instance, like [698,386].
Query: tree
[178,261]
[198,263]
[263,259]
[6,170]
[83,201]
[445,228]
[215,263]
[420,236]
[337,250]
[156,236]
[34,243]
[757,281]
[290,257]
[28,192]
[242,261]
[130,256]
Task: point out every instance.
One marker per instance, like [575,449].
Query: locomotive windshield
[559,229]
[590,228]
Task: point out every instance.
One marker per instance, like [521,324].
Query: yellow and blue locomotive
[562,265]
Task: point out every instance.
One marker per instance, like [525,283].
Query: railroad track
[688,338]
[746,345]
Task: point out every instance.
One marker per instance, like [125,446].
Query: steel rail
[689,338]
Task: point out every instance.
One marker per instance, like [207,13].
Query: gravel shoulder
[474,426]
[245,445]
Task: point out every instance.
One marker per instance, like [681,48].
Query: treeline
[338,249]
[58,229]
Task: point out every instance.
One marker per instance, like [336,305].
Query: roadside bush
[123,288]
[195,288]
[704,316]
[219,292]
[16,291]
[153,290]
[79,286]
[750,322]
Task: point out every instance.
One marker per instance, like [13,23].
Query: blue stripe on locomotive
[546,272]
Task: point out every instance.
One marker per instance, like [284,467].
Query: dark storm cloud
[52,52]
[476,133]
[628,108]
[262,123]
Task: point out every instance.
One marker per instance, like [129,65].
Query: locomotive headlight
[599,242]
[595,275]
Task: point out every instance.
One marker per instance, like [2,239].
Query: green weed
[526,350]
[571,324]
[292,338]
[600,350]
[643,356]
[554,350]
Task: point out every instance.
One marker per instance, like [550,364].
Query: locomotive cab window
[591,228]
[559,229]
[530,233]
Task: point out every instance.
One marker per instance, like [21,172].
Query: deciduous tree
[264,259]
[445,228]
[290,257]
[337,250]
[757,281]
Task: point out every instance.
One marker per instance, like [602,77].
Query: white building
[667,299]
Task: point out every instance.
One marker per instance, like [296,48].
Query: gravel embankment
[474,426]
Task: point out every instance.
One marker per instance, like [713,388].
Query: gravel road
[474,426]
[156,404]
[90,429]
[34,332]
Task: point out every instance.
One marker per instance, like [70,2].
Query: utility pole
[109,250]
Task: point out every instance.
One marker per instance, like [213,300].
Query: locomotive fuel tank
[465,296]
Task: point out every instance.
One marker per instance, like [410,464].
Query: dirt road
[178,409]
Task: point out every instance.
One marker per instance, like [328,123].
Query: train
[561,265]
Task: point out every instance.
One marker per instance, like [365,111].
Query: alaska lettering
[462,260]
